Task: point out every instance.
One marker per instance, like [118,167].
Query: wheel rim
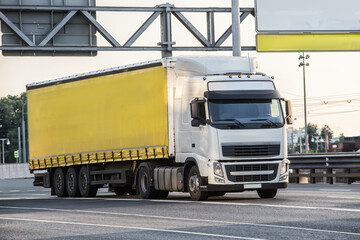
[71,181]
[194,184]
[58,182]
[83,181]
[144,182]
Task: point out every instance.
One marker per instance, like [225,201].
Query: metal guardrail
[329,166]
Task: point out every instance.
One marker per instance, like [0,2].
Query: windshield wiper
[237,122]
[268,120]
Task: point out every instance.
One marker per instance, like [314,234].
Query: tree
[312,131]
[326,129]
[342,137]
[10,119]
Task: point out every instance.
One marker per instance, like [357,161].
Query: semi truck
[198,124]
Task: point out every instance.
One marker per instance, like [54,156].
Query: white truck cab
[229,122]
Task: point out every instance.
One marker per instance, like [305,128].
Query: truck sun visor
[238,94]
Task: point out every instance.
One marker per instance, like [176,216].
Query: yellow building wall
[116,117]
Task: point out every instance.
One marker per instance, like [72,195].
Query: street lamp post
[23,133]
[303,64]
[3,149]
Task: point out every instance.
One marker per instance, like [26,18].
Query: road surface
[299,212]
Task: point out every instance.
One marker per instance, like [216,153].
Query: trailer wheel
[194,185]
[86,190]
[162,194]
[72,182]
[216,194]
[267,193]
[144,179]
[59,182]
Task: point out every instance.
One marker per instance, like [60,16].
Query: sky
[332,78]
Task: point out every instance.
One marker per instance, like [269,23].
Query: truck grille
[248,168]
[251,150]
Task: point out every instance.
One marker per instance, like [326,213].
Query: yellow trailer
[96,128]
[117,115]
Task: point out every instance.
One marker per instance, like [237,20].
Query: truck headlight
[218,169]
[284,171]
[284,168]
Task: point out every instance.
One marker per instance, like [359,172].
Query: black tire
[193,186]
[145,190]
[267,193]
[216,194]
[59,182]
[124,190]
[162,194]
[86,190]
[72,182]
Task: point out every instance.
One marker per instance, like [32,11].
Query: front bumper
[241,187]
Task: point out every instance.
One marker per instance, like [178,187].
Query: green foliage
[326,129]
[312,131]
[342,138]
[10,119]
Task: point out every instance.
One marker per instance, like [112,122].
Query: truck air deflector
[242,95]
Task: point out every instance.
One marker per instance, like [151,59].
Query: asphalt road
[299,212]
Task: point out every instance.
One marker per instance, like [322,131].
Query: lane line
[14,191]
[211,203]
[335,190]
[284,206]
[236,204]
[130,227]
[31,190]
[337,197]
[182,219]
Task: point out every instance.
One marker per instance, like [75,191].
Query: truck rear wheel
[267,193]
[86,190]
[216,194]
[59,182]
[72,182]
[144,179]
[194,185]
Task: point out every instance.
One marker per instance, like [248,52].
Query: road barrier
[330,166]
[18,170]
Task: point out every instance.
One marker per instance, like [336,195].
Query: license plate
[248,186]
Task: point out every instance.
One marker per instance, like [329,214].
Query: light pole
[3,150]
[23,133]
[236,27]
[303,65]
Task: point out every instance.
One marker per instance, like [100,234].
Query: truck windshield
[249,114]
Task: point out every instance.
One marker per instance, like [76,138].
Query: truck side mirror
[197,108]
[288,110]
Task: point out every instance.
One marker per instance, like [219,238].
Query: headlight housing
[284,168]
[218,169]
[284,171]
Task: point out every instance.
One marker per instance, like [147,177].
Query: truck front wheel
[194,185]
[86,190]
[59,182]
[267,193]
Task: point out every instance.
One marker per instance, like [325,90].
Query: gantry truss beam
[166,12]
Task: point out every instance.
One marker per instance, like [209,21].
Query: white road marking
[283,206]
[182,219]
[31,190]
[130,227]
[46,190]
[335,190]
[14,191]
[338,197]
[232,204]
